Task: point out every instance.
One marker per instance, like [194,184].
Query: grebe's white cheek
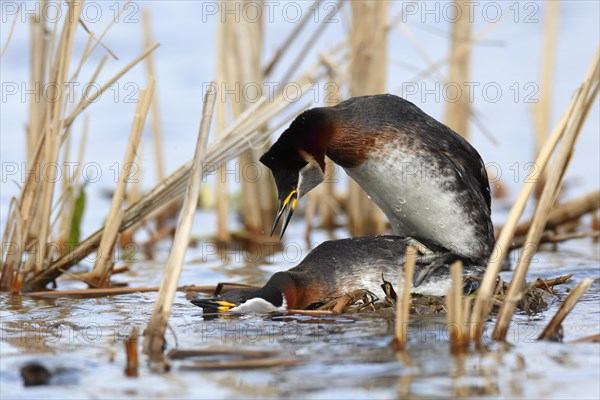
[310,176]
[283,306]
[259,305]
[255,305]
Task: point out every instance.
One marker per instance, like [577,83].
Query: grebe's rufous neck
[337,267]
[429,181]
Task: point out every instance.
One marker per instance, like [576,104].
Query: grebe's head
[264,300]
[297,161]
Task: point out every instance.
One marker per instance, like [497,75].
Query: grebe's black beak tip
[289,211]
[286,207]
[278,214]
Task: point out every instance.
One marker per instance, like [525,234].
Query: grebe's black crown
[293,150]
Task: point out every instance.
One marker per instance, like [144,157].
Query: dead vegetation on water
[537,296]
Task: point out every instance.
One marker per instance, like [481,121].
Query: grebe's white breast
[419,198]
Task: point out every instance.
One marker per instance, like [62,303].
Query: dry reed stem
[27,197]
[115,291]
[10,33]
[10,269]
[157,213]
[457,113]
[93,80]
[227,364]
[100,276]
[565,212]
[596,223]
[67,215]
[550,331]
[133,194]
[155,126]
[433,67]
[41,112]
[549,283]
[64,214]
[222,191]
[456,300]
[405,379]
[550,237]
[341,303]
[82,146]
[290,39]
[104,262]
[9,231]
[403,303]
[549,194]
[588,339]
[58,74]
[98,42]
[542,109]
[335,72]
[105,31]
[230,144]
[53,111]
[131,352]
[158,236]
[182,354]
[301,55]
[368,64]
[242,55]
[456,310]
[58,209]
[481,308]
[328,205]
[154,336]
[87,100]
[75,75]
[38,53]
[222,208]
[52,46]
[467,301]
[13,209]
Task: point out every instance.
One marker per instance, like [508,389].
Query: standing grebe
[430,182]
[337,267]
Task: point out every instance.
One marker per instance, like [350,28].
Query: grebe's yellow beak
[286,207]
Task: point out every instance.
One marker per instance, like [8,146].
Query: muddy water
[81,342]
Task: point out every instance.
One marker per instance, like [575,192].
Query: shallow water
[82,342]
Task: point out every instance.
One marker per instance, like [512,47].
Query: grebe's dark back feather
[390,112]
